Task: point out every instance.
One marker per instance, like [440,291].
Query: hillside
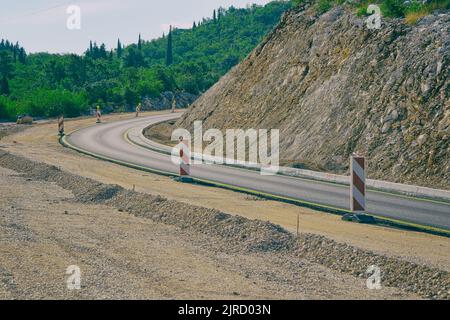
[334,87]
[47,85]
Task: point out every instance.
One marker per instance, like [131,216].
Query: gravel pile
[427,282]
[238,234]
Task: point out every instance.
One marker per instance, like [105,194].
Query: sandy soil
[40,143]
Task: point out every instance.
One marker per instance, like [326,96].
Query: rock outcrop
[165,101]
[332,86]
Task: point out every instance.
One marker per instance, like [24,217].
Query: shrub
[412,10]
[418,9]
[52,103]
[297,2]
[412,17]
[7,108]
[393,8]
[324,5]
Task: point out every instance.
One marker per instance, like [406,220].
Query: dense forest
[184,60]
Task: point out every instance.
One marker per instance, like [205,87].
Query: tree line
[187,60]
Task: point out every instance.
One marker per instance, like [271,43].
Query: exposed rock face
[334,87]
[165,100]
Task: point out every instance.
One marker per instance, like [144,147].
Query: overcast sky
[41,25]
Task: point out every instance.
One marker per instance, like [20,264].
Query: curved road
[108,140]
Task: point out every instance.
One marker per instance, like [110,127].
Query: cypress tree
[22,55]
[214,15]
[119,48]
[169,53]
[6,66]
[102,52]
[140,42]
[95,53]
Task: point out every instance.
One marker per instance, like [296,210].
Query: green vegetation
[412,10]
[190,60]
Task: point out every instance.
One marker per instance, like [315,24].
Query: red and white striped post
[98,113]
[138,109]
[357,184]
[174,104]
[61,125]
[185,158]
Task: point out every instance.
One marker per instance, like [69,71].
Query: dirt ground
[40,144]
[43,232]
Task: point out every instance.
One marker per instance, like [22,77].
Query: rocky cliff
[333,87]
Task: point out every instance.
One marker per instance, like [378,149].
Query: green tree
[134,58]
[56,71]
[131,97]
[22,56]
[393,8]
[7,108]
[4,86]
[119,49]
[15,52]
[6,65]
[297,2]
[169,54]
[166,77]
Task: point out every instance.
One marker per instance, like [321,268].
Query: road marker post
[98,113]
[185,160]
[61,126]
[174,104]
[138,109]
[358,191]
[357,184]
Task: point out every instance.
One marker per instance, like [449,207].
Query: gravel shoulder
[43,230]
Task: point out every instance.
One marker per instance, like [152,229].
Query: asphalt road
[108,139]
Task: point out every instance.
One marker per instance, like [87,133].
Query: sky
[41,25]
